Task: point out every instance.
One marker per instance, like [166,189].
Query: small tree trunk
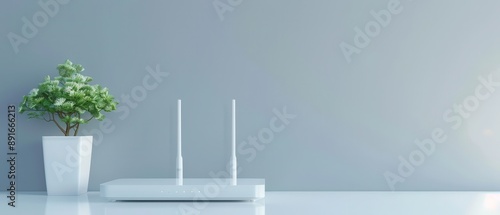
[68,128]
[76,129]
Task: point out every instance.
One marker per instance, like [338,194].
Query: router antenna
[234,166]
[180,176]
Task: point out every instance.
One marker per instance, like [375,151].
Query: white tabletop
[339,203]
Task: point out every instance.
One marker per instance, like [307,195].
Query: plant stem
[77,124]
[66,133]
[76,130]
[55,121]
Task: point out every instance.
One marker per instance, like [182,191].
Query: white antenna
[180,176]
[234,166]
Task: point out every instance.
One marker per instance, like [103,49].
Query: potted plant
[67,101]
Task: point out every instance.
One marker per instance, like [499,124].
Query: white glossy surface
[349,203]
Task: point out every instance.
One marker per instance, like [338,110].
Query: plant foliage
[68,100]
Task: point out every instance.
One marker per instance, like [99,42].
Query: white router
[188,189]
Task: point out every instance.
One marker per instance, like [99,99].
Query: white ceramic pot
[67,164]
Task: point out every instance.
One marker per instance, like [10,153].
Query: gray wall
[356,118]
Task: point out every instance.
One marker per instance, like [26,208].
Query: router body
[193,189]
[188,189]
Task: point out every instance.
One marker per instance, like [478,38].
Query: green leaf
[69,95]
[59,101]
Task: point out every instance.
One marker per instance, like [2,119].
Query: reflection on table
[275,203]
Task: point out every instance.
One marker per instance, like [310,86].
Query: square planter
[67,164]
